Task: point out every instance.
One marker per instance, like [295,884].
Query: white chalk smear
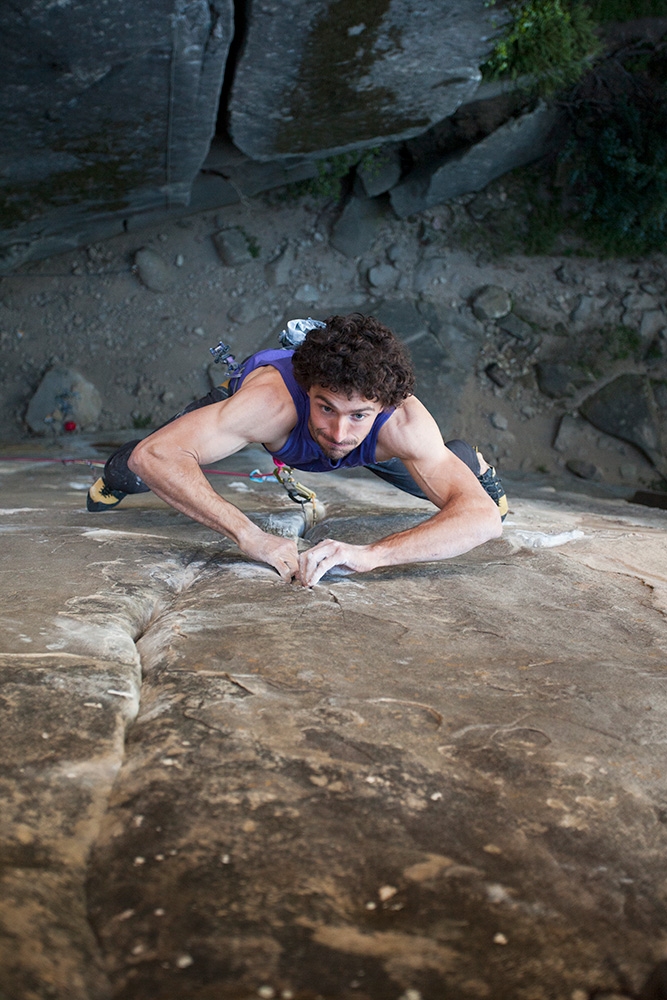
[19,510]
[105,533]
[541,540]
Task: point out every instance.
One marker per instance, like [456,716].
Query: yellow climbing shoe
[100,497]
[491,483]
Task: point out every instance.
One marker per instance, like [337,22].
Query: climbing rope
[284,474]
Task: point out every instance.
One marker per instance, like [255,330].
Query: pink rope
[255,475]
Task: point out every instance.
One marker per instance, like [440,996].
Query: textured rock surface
[515,144]
[353,73]
[446,778]
[121,109]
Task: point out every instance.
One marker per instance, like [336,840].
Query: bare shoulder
[261,412]
[263,407]
[409,433]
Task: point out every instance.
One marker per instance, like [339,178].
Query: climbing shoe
[494,488]
[100,497]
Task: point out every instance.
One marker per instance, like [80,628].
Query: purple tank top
[300,450]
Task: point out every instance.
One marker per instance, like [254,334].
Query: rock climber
[342,398]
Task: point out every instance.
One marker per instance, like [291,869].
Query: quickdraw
[296,491]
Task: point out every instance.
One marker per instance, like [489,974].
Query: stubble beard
[333,451]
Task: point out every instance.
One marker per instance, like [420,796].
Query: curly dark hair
[356,354]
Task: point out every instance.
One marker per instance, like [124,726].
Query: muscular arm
[466,517]
[169,463]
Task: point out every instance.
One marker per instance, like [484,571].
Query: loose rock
[152,270]
[380,172]
[64,396]
[491,302]
[383,276]
[515,327]
[498,375]
[558,380]
[651,324]
[278,270]
[583,469]
[357,226]
[306,293]
[428,273]
[233,247]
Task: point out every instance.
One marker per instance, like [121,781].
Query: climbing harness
[222,354]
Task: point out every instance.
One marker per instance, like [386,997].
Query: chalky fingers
[317,561]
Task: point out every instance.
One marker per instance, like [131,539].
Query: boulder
[652,322]
[403,318]
[380,171]
[491,302]
[516,327]
[353,74]
[428,273]
[122,105]
[587,309]
[574,436]
[383,276]
[234,247]
[582,469]
[515,144]
[64,397]
[554,379]
[444,345]
[307,293]
[357,227]
[627,409]
[152,270]
[277,271]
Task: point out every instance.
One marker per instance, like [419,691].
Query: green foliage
[140,422]
[549,40]
[626,10]
[253,245]
[621,342]
[373,160]
[331,173]
[618,170]
[544,215]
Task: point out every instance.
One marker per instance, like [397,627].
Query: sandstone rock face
[219,784]
[329,76]
[118,111]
